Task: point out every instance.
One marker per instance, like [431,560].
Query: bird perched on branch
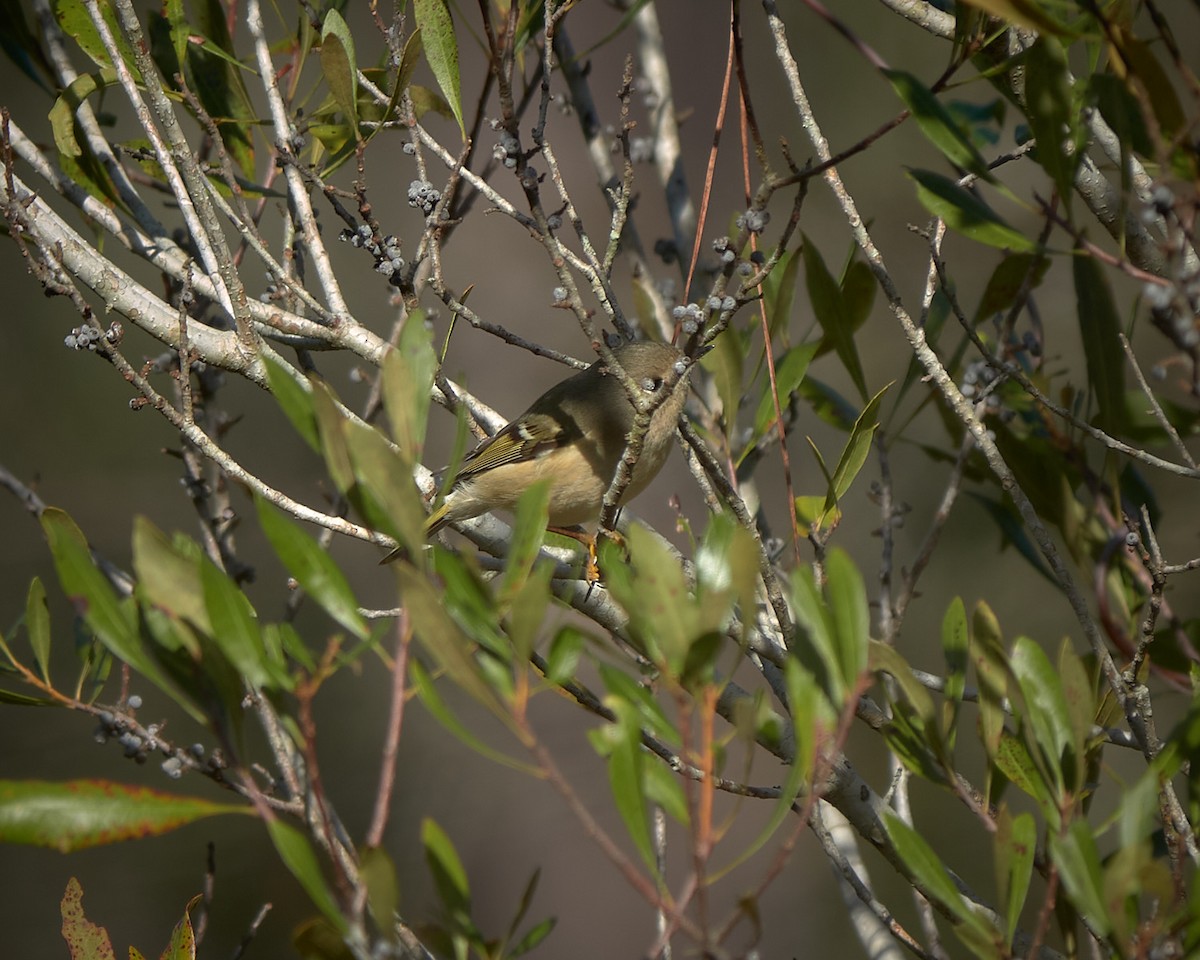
[574,436]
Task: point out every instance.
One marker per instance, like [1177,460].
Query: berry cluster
[388,260]
[88,337]
[507,150]
[753,220]
[139,742]
[424,196]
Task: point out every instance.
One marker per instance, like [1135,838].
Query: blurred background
[67,430]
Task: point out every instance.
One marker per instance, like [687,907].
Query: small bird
[573,435]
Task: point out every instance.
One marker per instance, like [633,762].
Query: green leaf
[408,372]
[14,699]
[182,945]
[622,687]
[789,373]
[1024,13]
[299,857]
[443,639]
[385,492]
[851,618]
[333,438]
[935,121]
[427,692]
[1074,853]
[855,452]
[413,48]
[955,643]
[441,49]
[966,213]
[449,875]
[562,658]
[1138,59]
[235,630]
[77,814]
[1079,696]
[1052,118]
[1014,761]
[113,621]
[725,362]
[832,313]
[168,577]
[340,66]
[85,940]
[533,937]
[62,114]
[652,590]
[1014,273]
[73,18]
[215,75]
[293,400]
[312,567]
[663,789]
[1099,326]
[779,292]
[527,611]
[177,20]
[812,717]
[1015,846]
[813,615]
[378,873]
[927,868]
[726,567]
[1046,707]
[1121,110]
[37,625]
[622,741]
[885,658]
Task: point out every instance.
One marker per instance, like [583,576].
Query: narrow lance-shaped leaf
[62,114]
[340,66]
[937,124]
[168,577]
[812,717]
[235,630]
[37,625]
[77,814]
[295,401]
[449,875]
[954,646]
[851,618]
[832,313]
[1051,117]
[966,213]
[426,690]
[312,567]
[441,49]
[789,373]
[1024,13]
[855,453]
[1046,707]
[623,743]
[1015,845]
[929,871]
[408,374]
[113,620]
[383,890]
[299,857]
[1099,326]
[1074,853]
[216,75]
